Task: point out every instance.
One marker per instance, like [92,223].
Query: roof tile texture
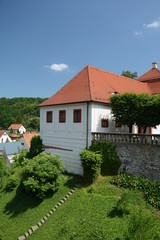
[93,84]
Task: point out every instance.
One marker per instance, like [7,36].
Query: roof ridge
[88,67]
[106,71]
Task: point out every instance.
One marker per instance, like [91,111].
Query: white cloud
[138,33]
[153,25]
[58,67]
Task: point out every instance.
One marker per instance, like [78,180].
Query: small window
[62,116]
[77,116]
[49,117]
[104,122]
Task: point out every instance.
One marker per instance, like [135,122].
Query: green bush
[2,166]
[35,148]
[19,159]
[150,189]
[91,163]
[12,182]
[110,159]
[42,174]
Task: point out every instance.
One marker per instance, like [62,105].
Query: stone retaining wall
[140,160]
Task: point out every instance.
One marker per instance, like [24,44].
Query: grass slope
[90,213]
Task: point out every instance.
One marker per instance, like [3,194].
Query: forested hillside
[20,110]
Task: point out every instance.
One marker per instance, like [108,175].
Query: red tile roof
[15,126]
[28,137]
[1,132]
[93,84]
[152,74]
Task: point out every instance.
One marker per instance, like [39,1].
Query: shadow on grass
[73,180]
[116,213]
[21,202]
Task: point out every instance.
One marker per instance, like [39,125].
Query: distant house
[9,149]
[4,137]
[82,107]
[17,128]
[14,137]
[26,139]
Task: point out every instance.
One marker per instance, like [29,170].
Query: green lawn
[90,213]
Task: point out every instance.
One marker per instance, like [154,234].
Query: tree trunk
[130,128]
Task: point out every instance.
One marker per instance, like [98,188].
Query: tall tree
[130,74]
[140,109]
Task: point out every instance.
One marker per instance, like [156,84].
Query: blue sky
[45,43]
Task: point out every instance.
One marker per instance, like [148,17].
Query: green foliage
[130,108]
[19,158]
[12,182]
[110,159]
[20,110]
[33,124]
[150,189]
[2,166]
[129,74]
[35,148]
[142,226]
[42,174]
[91,163]
[1,235]
[123,204]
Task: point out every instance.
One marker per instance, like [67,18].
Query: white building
[17,128]
[81,107]
[4,137]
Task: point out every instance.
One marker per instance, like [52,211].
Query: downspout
[87,125]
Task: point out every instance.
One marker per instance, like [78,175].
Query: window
[62,116]
[77,115]
[104,122]
[49,117]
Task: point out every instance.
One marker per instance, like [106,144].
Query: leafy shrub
[2,166]
[36,147]
[19,159]
[91,163]
[42,174]
[110,159]
[123,204]
[12,182]
[150,189]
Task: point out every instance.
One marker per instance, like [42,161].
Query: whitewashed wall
[4,138]
[99,111]
[22,130]
[70,136]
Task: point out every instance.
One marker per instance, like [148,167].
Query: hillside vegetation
[99,211]
[20,110]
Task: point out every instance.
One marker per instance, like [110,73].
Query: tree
[140,109]
[2,166]
[33,124]
[36,147]
[42,174]
[124,109]
[130,74]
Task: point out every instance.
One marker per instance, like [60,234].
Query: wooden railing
[152,139]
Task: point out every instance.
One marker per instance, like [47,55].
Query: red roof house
[17,128]
[82,107]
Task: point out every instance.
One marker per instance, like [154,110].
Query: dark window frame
[60,119]
[103,122]
[49,119]
[76,118]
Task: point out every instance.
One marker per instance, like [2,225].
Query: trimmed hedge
[91,163]
[110,159]
[150,189]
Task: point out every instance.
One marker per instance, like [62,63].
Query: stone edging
[44,219]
